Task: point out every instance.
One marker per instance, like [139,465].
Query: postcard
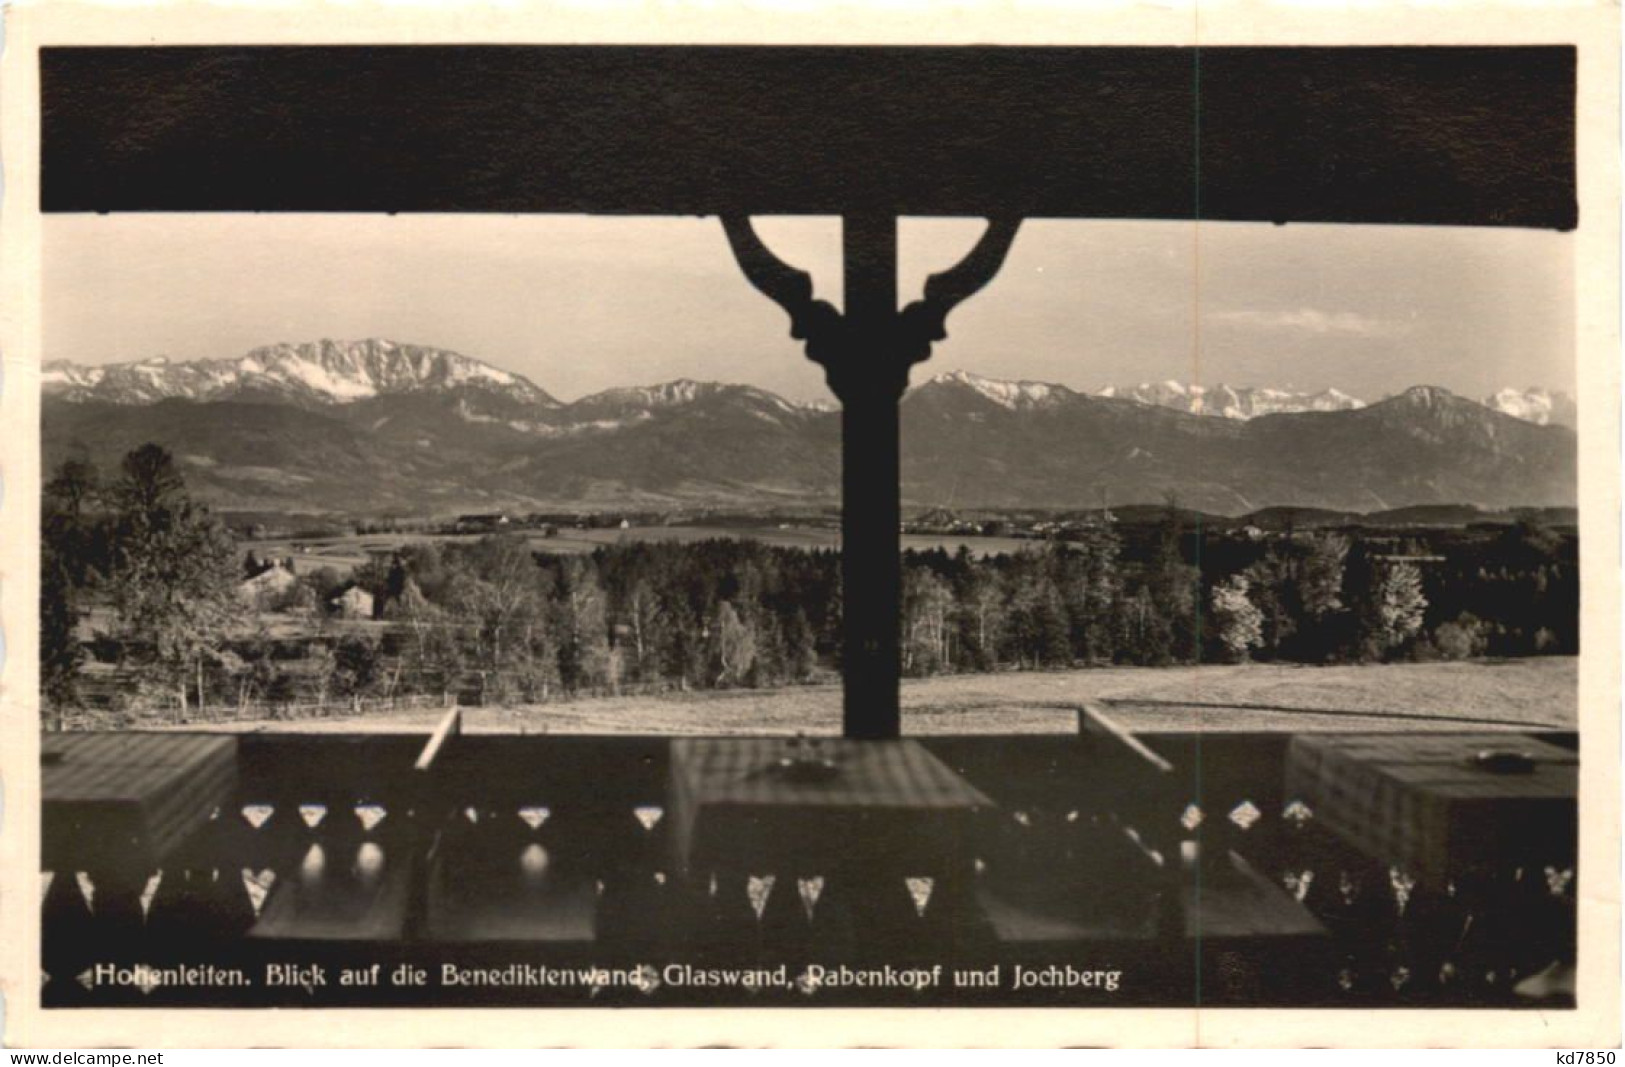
[1050,524]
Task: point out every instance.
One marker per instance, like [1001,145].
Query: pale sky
[579,304]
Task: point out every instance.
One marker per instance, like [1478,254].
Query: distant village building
[478,523]
[354,603]
[269,585]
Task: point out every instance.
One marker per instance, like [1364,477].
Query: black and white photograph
[714,526]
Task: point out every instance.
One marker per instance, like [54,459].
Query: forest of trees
[499,619]
[141,547]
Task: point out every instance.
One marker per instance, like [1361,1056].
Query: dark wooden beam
[1479,136]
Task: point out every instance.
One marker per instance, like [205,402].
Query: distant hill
[373,426]
[1279,518]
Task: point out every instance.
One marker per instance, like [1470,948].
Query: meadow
[1536,694]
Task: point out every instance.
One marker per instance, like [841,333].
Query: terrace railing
[480,851]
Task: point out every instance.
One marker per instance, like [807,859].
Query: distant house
[354,603]
[478,523]
[935,518]
[267,586]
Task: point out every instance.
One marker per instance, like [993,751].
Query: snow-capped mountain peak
[681,392]
[663,395]
[1533,404]
[1229,401]
[320,372]
[1224,401]
[1012,394]
[59,374]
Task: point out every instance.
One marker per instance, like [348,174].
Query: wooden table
[353,893]
[126,801]
[1416,801]
[890,800]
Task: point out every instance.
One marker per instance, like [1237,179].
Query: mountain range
[317,373]
[1540,406]
[372,426]
[1232,402]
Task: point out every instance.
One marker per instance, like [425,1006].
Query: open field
[345,553]
[1527,694]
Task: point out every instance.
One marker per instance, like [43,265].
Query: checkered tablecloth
[731,809]
[1417,802]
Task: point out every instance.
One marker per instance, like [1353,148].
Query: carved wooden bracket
[813,321]
[925,322]
[849,361]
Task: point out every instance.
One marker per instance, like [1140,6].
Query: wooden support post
[871,492]
[866,351]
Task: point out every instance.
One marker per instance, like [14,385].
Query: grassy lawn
[1515,694]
